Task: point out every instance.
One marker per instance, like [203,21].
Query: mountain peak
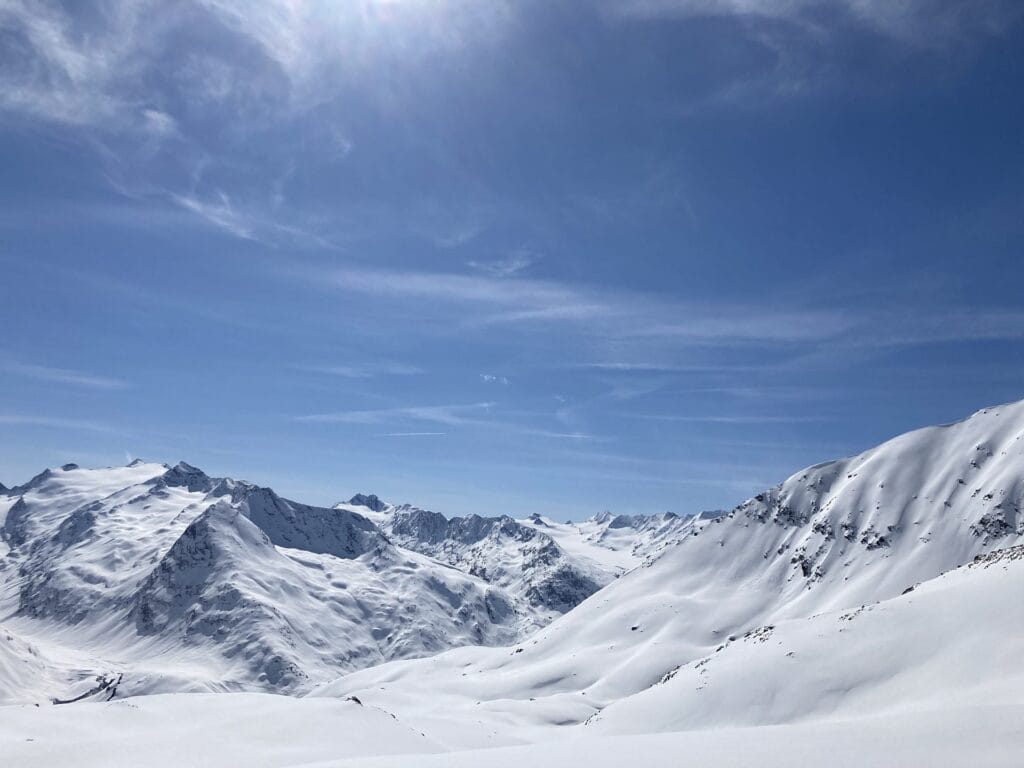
[370,501]
[183,475]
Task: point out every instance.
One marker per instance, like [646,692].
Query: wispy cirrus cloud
[470,415]
[492,378]
[454,415]
[63,376]
[648,331]
[805,41]
[511,265]
[364,370]
[610,313]
[725,418]
[920,22]
[54,422]
[646,366]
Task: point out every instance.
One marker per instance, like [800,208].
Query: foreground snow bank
[198,730]
[266,731]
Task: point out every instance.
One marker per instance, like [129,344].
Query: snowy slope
[202,731]
[927,678]
[831,538]
[621,542]
[955,640]
[182,581]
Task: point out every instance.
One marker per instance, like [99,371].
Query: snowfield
[866,611]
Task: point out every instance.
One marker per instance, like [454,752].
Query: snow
[200,730]
[548,567]
[265,731]
[178,581]
[866,611]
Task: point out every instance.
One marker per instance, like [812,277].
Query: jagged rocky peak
[289,524]
[183,475]
[626,521]
[315,529]
[412,524]
[136,463]
[33,482]
[219,534]
[368,500]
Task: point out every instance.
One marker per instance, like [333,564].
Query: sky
[505,257]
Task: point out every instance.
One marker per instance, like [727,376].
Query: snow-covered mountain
[829,540]
[183,581]
[165,578]
[870,609]
[549,567]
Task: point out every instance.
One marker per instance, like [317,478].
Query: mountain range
[167,579]
[862,605]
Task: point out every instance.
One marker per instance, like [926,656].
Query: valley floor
[268,731]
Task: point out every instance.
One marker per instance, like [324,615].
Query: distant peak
[186,476]
[69,467]
[136,463]
[370,501]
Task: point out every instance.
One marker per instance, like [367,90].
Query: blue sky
[637,255]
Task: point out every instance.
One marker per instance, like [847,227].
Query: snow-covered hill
[191,582]
[928,678]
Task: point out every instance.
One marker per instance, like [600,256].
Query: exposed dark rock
[370,501]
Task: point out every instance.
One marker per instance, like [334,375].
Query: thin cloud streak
[663,325]
[922,23]
[449,415]
[725,419]
[64,376]
[55,423]
[439,414]
[363,370]
[614,314]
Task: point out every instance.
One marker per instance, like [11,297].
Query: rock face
[549,567]
[220,583]
[370,501]
[502,551]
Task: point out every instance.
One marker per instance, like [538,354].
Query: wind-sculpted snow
[195,583]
